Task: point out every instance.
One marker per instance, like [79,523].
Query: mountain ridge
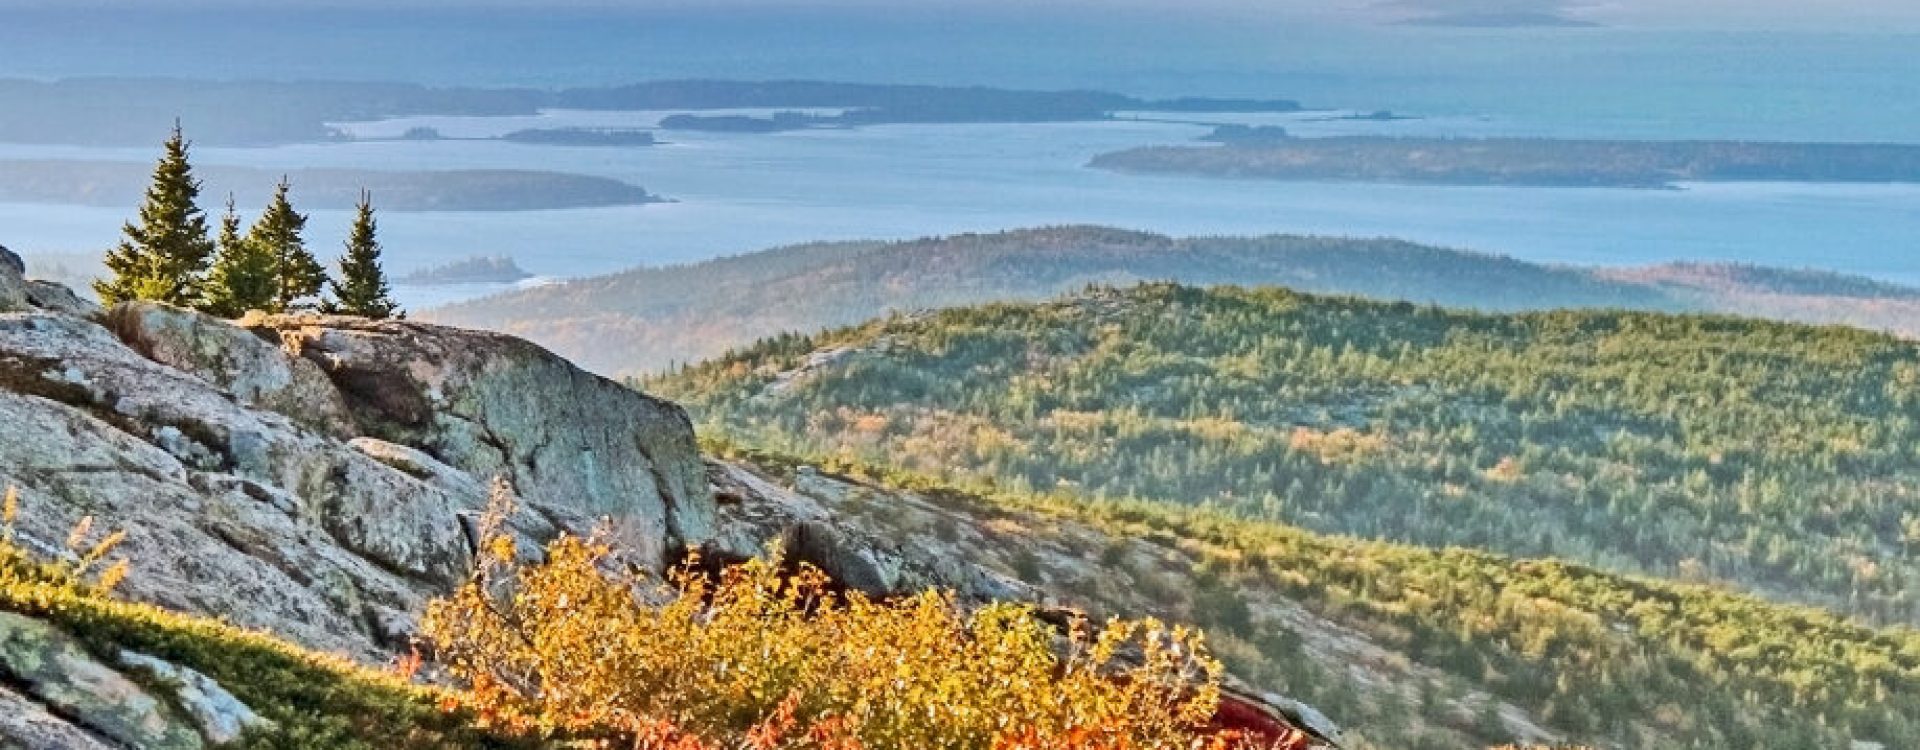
[648,319]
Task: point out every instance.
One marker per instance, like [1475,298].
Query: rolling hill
[1779,458]
[647,319]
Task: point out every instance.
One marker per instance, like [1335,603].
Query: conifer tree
[298,276]
[244,276]
[362,288]
[166,249]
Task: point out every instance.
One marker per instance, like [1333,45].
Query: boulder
[55,671]
[229,510]
[13,282]
[221,717]
[493,405]
[231,465]
[27,725]
[53,297]
[254,370]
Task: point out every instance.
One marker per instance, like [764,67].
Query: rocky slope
[318,478]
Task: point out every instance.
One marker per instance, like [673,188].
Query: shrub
[766,656]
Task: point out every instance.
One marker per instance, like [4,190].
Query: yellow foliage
[766,657]
[1343,445]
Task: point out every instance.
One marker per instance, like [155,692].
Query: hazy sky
[1779,14]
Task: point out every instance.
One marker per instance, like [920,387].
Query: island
[777,123]
[120,184]
[582,137]
[266,113]
[1270,153]
[496,269]
[1378,115]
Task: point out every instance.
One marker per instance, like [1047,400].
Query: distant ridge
[650,318]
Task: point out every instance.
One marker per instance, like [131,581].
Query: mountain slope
[1407,647]
[646,319]
[1777,457]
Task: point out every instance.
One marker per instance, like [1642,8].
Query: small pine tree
[167,249]
[298,276]
[362,288]
[244,276]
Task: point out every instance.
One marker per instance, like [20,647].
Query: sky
[1742,14]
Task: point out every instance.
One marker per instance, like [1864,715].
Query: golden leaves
[768,656]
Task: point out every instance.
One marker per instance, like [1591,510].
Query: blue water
[738,193]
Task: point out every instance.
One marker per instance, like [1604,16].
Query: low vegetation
[313,700]
[778,657]
[1609,660]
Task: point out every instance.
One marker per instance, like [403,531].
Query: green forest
[1780,459]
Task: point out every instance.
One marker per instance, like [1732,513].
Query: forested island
[104,183]
[776,123]
[496,269]
[270,113]
[1271,153]
[582,137]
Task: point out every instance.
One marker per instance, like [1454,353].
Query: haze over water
[738,193]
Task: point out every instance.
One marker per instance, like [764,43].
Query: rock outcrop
[494,405]
[13,282]
[320,477]
[324,490]
[252,369]
[57,675]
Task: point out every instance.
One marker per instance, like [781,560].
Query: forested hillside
[1585,657]
[1784,459]
[647,319]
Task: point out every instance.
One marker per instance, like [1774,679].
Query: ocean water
[738,193]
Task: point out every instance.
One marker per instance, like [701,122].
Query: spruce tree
[362,288]
[166,250]
[298,276]
[244,276]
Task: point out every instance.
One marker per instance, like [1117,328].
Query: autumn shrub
[763,656]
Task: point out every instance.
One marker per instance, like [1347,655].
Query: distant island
[1271,153]
[497,269]
[582,137]
[105,183]
[975,106]
[273,113]
[776,123]
[1240,135]
[1379,115]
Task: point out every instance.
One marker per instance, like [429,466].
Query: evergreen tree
[244,276]
[298,276]
[167,249]
[362,288]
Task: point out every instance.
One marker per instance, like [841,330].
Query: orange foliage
[572,648]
